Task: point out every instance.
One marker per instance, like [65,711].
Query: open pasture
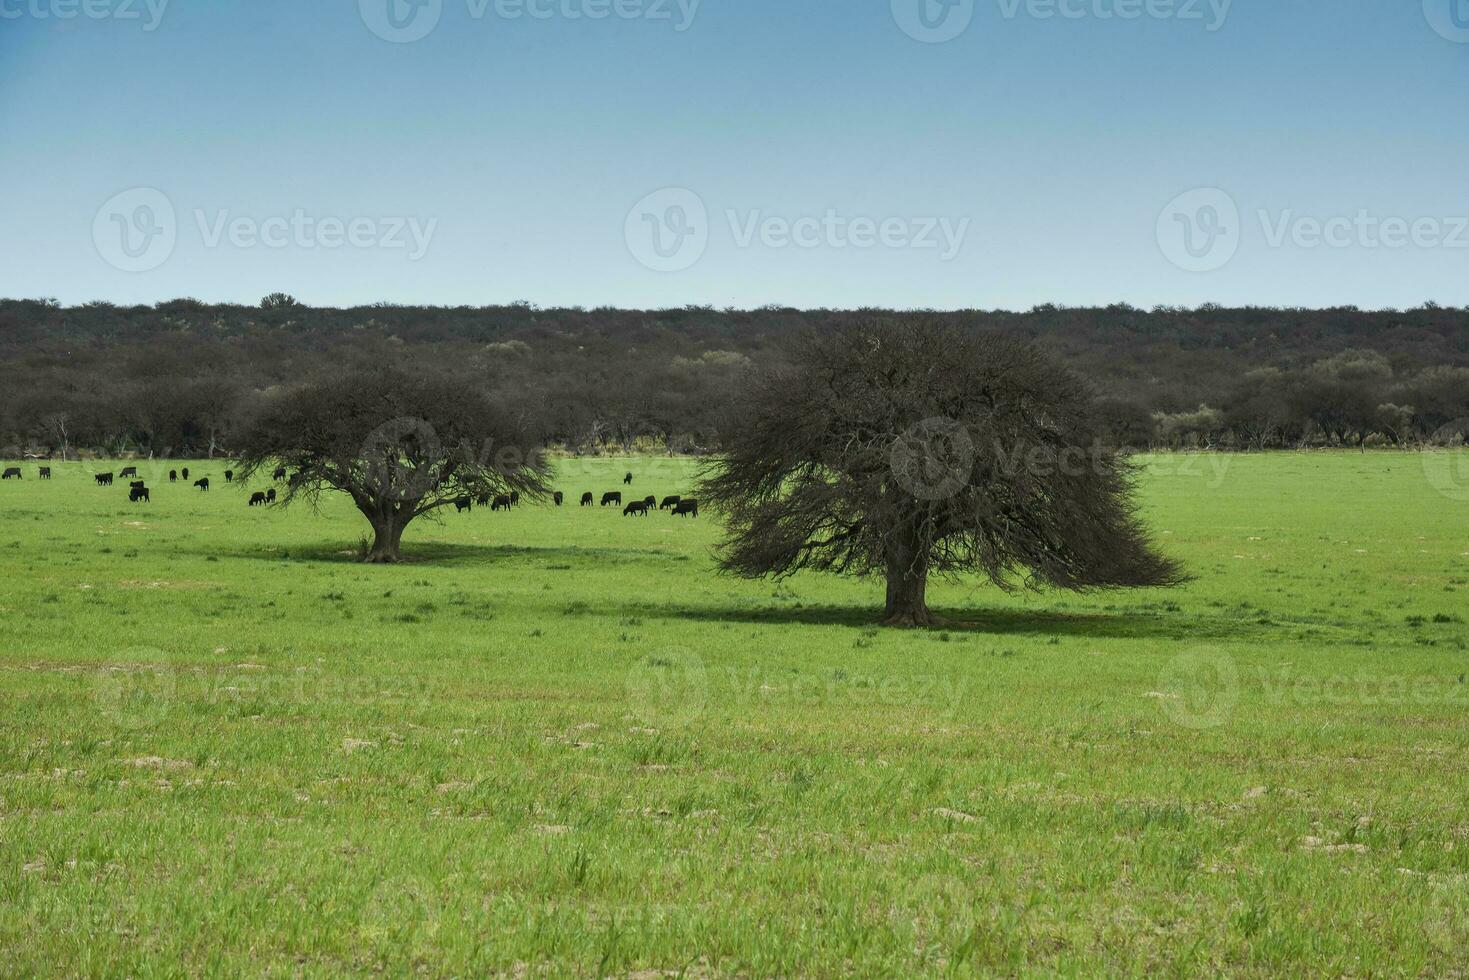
[555,742]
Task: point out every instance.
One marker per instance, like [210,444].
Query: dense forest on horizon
[172,379]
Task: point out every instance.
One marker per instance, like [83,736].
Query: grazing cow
[611,498]
[137,485]
[483,500]
[202,484]
[44,472]
[185,473]
[11,473]
[557,497]
[627,480]
[463,504]
[669,502]
[229,476]
[138,492]
[638,507]
[651,501]
[587,499]
[686,508]
[173,476]
[270,496]
[279,474]
[103,479]
[514,497]
[502,502]
[129,471]
[257,499]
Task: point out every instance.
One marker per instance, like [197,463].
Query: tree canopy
[901,448]
[400,444]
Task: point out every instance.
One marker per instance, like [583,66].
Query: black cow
[130,471]
[483,500]
[44,472]
[557,497]
[669,502]
[279,474]
[686,508]
[137,485]
[638,507]
[103,479]
[257,499]
[463,504]
[11,473]
[627,480]
[173,476]
[651,501]
[201,484]
[229,476]
[587,499]
[611,498]
[514,497]
[185,473]
[502,502]
[270,496]
[138,492]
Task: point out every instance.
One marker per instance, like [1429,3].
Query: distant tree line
[179,378]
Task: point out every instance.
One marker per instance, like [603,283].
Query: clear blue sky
[519,146]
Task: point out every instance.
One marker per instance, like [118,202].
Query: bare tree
[400,445]
[56,424]
[904,448]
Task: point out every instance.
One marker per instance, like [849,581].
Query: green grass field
[557,743]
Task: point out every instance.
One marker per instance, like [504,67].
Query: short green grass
[555,742]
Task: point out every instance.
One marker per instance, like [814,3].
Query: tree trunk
[387,536]
[907,575]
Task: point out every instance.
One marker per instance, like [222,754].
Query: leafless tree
[904,448]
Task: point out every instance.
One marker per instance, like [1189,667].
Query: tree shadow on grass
[1117,625]
[439,554]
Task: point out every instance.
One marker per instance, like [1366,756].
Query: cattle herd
[138,492]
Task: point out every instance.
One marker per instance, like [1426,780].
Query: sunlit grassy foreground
[556,742]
